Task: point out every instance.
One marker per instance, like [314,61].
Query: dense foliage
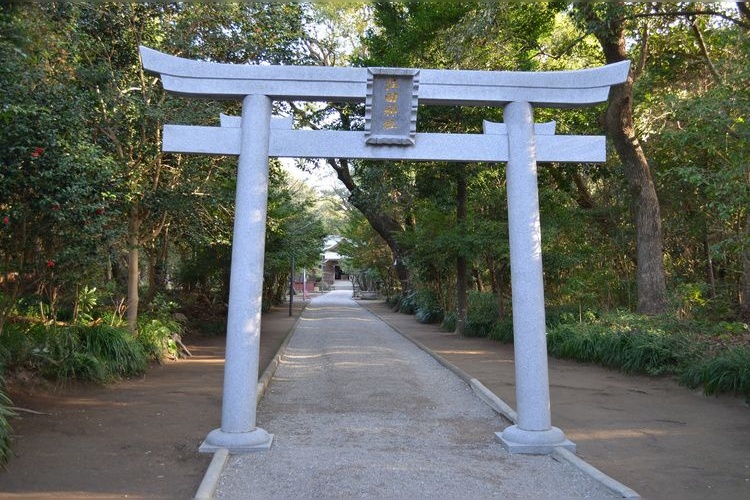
[662,228]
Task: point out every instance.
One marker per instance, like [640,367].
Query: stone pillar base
[516,440]
[237,442]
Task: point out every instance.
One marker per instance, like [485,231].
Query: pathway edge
[210,480]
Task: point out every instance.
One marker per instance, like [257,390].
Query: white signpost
[391,96]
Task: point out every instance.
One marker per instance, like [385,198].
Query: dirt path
[136,439]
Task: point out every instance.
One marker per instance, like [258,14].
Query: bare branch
[704,50]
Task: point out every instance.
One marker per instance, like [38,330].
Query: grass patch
[99,353]
[728,371]
[628,342]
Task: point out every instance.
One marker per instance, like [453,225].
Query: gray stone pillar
[533,432]
[238,432]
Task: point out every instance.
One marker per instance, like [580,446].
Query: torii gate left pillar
[238,432]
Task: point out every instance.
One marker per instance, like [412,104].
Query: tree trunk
[134,226]
[461,271]
[498,285]
[383,224]
[157,265]
[650,278]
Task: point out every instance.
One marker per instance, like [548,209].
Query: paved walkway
[359,411]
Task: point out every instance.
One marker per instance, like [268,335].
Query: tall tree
[608,24]
[693,111]
[133,107]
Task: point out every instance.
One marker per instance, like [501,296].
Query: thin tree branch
[689,13]
[644,53]
[704,50]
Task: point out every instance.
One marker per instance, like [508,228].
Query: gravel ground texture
[358,411]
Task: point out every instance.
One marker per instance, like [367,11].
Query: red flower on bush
[6,220]
[50,263]
[99,211]
[56,206]
[37,152]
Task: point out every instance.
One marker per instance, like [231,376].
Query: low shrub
[428,309]
[96,353]
[121,353]
[15,345]
[728,371]
[477,327]
[573,342]
[58,355]
[449,322]
[631,343]
[393,300]
[157,338]
[481,315]
[428,316]
[502,331]
[653,353]
[714,355]
[408,303]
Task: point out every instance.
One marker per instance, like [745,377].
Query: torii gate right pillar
[533,432]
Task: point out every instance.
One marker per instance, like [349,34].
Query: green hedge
[632,351]
[691,350]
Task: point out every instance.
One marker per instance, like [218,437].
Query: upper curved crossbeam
[555,89]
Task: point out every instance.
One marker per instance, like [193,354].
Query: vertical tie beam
[533,432]
[238,432]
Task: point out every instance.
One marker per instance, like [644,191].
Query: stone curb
[560,454]
[207,488]
[267,375]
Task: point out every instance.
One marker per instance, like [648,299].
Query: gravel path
[358,411]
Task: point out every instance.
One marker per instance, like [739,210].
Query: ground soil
[139,438]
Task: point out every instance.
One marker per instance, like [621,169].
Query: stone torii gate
[391,96]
